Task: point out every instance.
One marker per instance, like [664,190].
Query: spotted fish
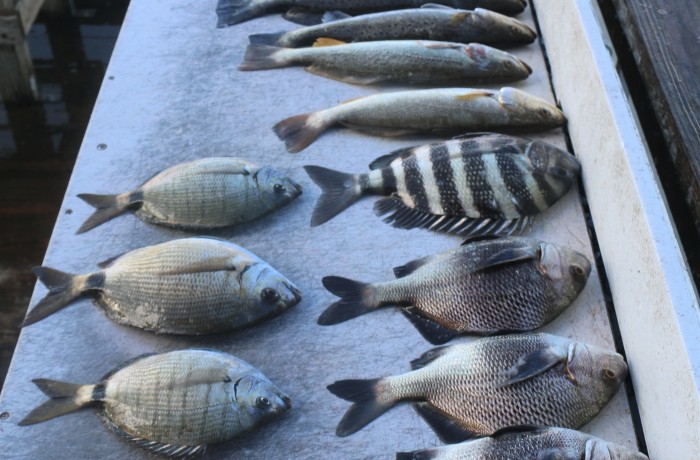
[173,404]
[475,185]
[478,388]
[425,110]
[483,287]
[230,12]
[439,24]
[529,442]
[187,286]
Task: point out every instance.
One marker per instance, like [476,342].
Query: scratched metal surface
[173,94]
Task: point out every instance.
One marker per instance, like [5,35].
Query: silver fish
[440,24]
[478,388]
[230,12]
[173,404]
[396,61]
[426,110]
[529,442]
[484,287]
[201,194]
[188,286]
[474,185]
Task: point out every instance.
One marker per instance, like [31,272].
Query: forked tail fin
[354,301]
[339,190]
[299,131]
[370,400]
[63,289]
[65,398]
[230,12]
[107,207]
[263,57]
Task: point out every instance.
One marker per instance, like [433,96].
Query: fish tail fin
[427,454]
[230,12]
[263,57]
[65,398]
[339,190]
[299,131]
[370,397]
[63,288]
[106,207]
[265,39]
[356,300]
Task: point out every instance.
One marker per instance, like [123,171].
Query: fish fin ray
[338,192]
[353,301]
[63,401]
[262,57]
[108,262]
[448,430]
[106,207]
[476,239]
[516,429]
[296,133]
[384,160]
[212,264]
[326,41]
[507,256]
[331,16]
[62,291]
[265,39]
[368,403]
[431,330]
[428,357]
[230,12]
[533,364]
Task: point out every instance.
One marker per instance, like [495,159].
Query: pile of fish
[521,392]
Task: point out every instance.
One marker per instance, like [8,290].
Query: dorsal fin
[410,267]
[108,262]
[126,363]
[325,41]
[384,160]
[476,239]
[516,429]
[436,6]
[428,357]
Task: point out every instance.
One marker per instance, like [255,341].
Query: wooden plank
[655,299]
[664,40]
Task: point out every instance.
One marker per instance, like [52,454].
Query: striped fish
[477,184]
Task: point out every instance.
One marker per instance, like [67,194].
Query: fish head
[596,371]
[497,62]
[597,449]
[276,189]
[528,110]
[273,292]
[502,28]
[566,269]
[258,400]
[557,167]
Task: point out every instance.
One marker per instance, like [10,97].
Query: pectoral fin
[533,364]
[331,74]
[213,264]
[324,41]
[508,256]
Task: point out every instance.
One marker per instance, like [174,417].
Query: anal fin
[431,331]
[448,430]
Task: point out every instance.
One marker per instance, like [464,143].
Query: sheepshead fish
[396,61]
[230,12]
[172,404]
[529,442]
[188,286]
[473,185]
[478,388]
[483,287]
[201,194]
[439,24]
[426,110]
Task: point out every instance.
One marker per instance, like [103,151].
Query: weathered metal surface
[172,93]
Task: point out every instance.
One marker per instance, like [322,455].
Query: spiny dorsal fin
[325,41]
[517,429]
[412,266]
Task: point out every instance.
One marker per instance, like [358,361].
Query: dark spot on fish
[279,188]
[4,415]
[96,280]
[98,393]
[101,146]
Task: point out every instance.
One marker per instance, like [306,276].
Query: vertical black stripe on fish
[98,392]
[414,183]
[516,184]
[482,193]
[388,180]
[548,193]
[445,180]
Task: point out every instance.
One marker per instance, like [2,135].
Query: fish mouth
[527,67]
[295,292]
[298,188]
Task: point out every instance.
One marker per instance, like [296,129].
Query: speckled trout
[173,404]
[439,24]
[188,286]
[232,12]
[427,110]
[529,442]
[483,287]
[478,388]
[395,61]
[201,194]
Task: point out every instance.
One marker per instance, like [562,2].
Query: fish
[188,286]
[173,404]
[484,287]
[439,24]
[476,184]
[201,194]
[529,442]
[425,110]
[394,61]
[231,12]
[475,389]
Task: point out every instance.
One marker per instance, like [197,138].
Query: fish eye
[558,171]
[544,112]
[269,295]
[279,188]
[609,374]
[576,270]
[262,403]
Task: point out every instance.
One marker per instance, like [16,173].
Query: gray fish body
[396,61]
[231,12]
[484,287]
[427,110]
[493,383]
[534,443]
[201,194]
[189,286]
[479,184]
[175,403]
[480,26]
